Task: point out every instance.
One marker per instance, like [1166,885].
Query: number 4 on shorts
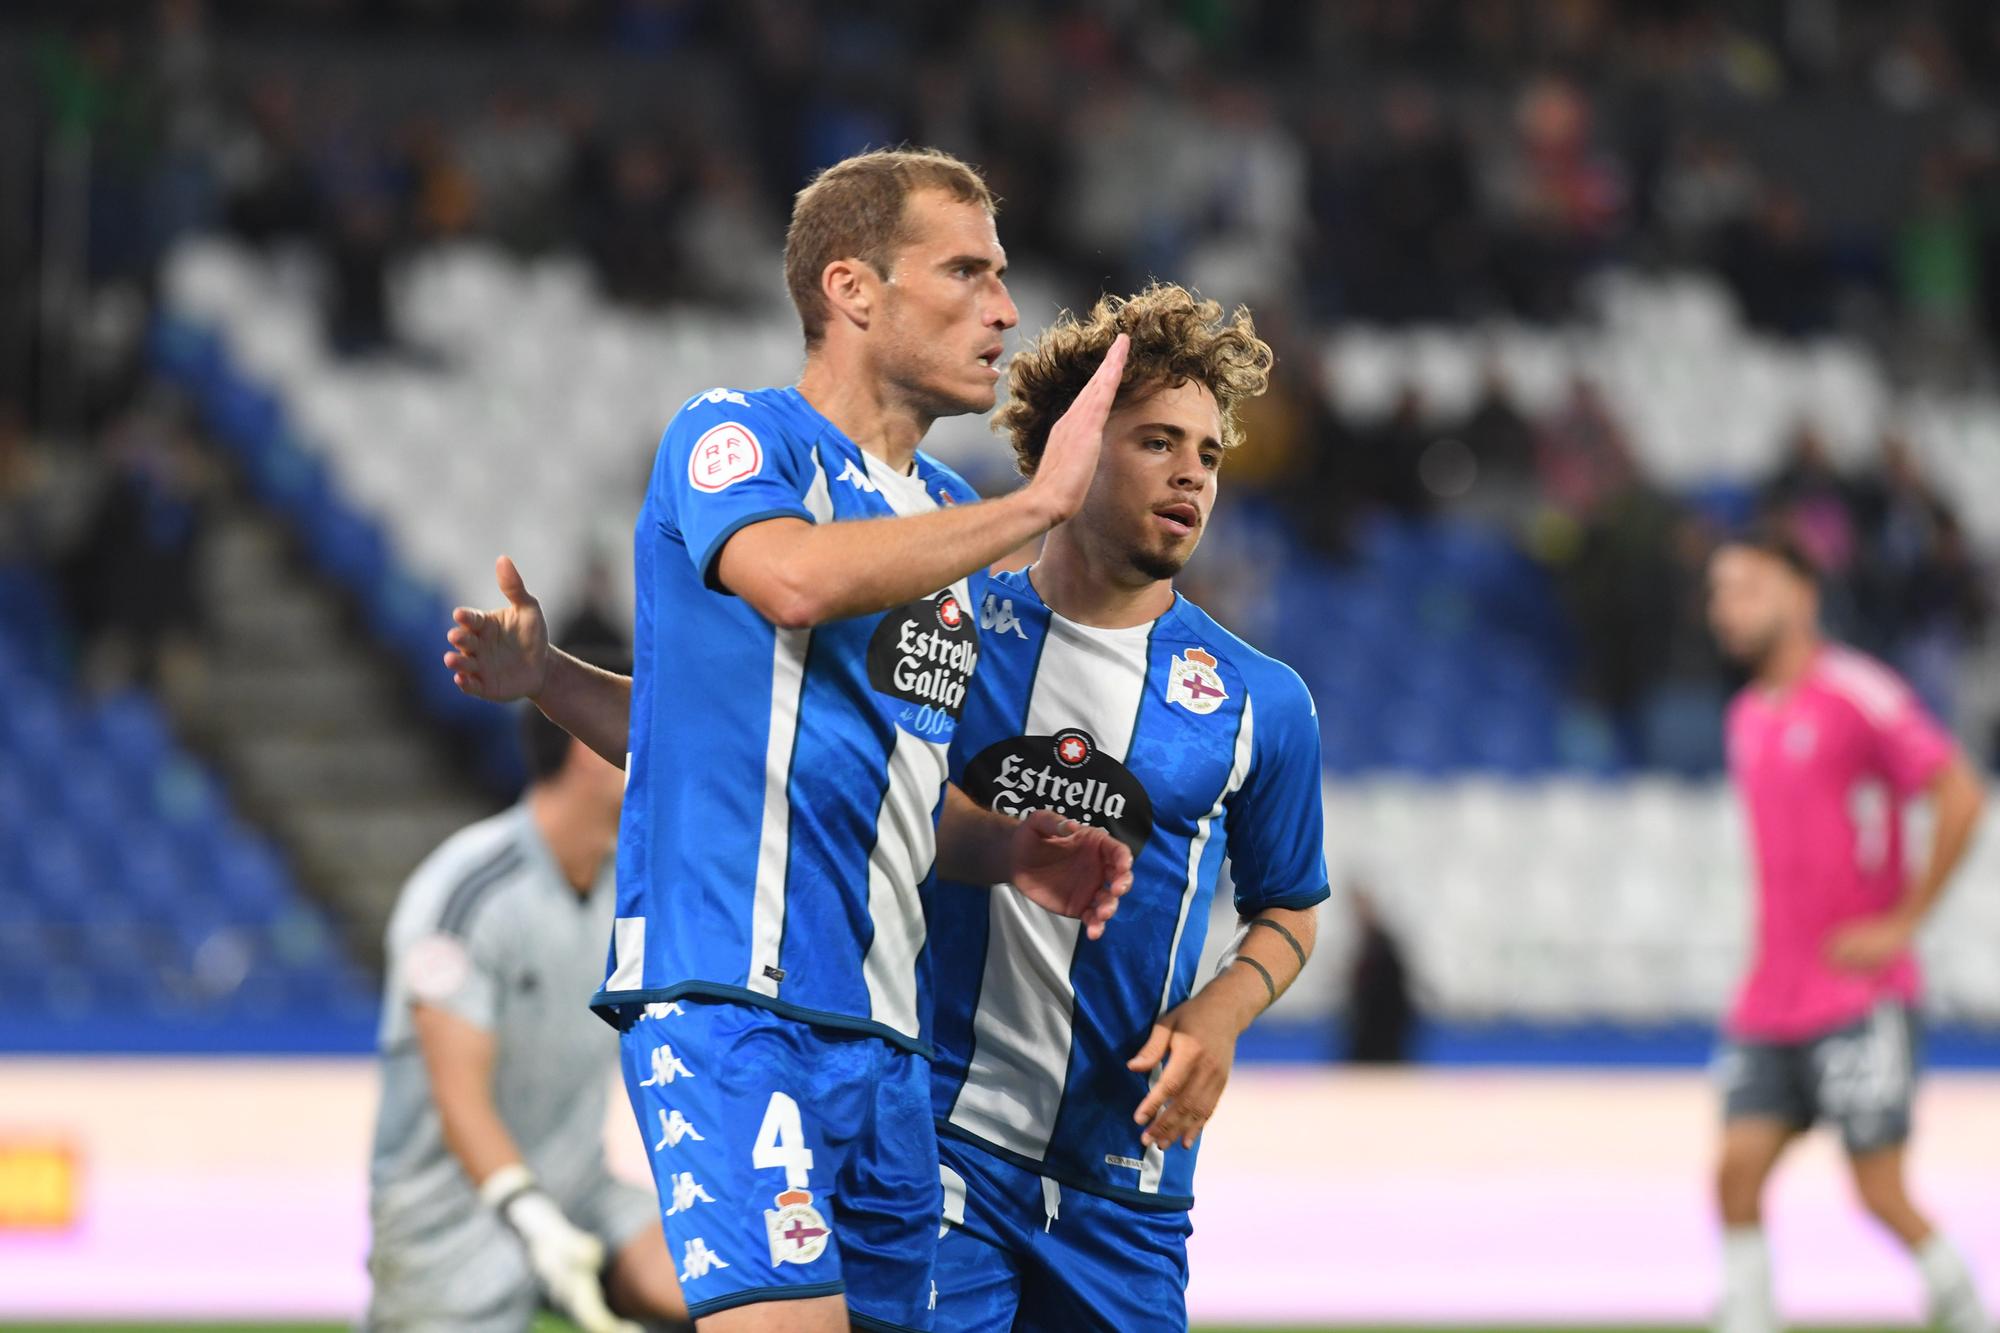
[781,1142]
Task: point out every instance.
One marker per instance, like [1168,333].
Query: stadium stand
[1527,889]
[1542,336]
[136,906]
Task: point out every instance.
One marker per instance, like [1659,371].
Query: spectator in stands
[133,583]
[595,621]
[1937,267]
[1328,484]
[1410,216]
[1556,196]
[633,237]
[1381,1013]
[267,180]
[1501,443]
[1916,585]
[1818,500]
[1392,452]
[1581,454]
[1707,190]
[24,538]
[1779,269]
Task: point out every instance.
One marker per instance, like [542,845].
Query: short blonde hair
[854,210]
[1176,337]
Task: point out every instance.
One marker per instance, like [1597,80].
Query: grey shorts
[1861,1078]
[474,1277]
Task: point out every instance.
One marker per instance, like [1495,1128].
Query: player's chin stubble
[1157,565]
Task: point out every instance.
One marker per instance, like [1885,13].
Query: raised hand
[1069,460]
[1070,868]
[503,654]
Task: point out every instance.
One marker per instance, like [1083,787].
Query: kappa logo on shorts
[797,1231]
[674,1128]
[725,455]
[1193,682]
[698,1259]
[666,1067]
[687,1193]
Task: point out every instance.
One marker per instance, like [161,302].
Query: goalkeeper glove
[568,1261]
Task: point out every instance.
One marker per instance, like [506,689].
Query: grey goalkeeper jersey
[488,929]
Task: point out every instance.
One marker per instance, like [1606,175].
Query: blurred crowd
[1837,162]
[1385,160]
[1900,578]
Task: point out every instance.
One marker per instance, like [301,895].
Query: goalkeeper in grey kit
[489,1194]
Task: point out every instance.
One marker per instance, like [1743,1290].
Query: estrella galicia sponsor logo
[923,653]
[1066,773]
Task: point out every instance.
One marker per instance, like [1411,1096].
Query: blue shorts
[791,1161]
[1022,1253]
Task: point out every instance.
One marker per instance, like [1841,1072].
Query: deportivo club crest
[1192,682]
[798,1232]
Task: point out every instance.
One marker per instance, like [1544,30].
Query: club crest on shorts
[798,1233]
[1194,683]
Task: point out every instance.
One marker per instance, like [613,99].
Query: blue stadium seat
[132,731]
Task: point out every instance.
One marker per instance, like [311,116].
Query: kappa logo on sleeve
[725,455]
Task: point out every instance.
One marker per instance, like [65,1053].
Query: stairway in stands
[315,725]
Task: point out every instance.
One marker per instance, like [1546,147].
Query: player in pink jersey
[1825,746]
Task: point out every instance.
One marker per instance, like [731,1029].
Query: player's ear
[849,286]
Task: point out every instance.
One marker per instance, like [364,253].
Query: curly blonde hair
[1176,337]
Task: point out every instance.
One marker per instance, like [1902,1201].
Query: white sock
[1954,1301]
[1747,1306]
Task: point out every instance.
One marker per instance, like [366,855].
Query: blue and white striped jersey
[783,785]
[1192,748]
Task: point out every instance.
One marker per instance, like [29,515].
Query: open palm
[503,654]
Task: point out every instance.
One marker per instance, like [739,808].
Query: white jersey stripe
[905,846]
[788,678]
[1021,1032]
[1155,1161]
[628,952]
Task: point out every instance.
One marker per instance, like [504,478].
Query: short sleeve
[1277,849]
[460,971]
[1911,746]
[724,463]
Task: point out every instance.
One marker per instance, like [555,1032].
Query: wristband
[504,1186]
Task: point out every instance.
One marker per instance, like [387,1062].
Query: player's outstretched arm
[1071,869]
[568,1261]
[504,654]
[799,574]
[1958,798]
[1197,1038]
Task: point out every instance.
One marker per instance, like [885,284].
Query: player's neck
[1788,663]
[858,402]
[577,842]
[1091,589]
